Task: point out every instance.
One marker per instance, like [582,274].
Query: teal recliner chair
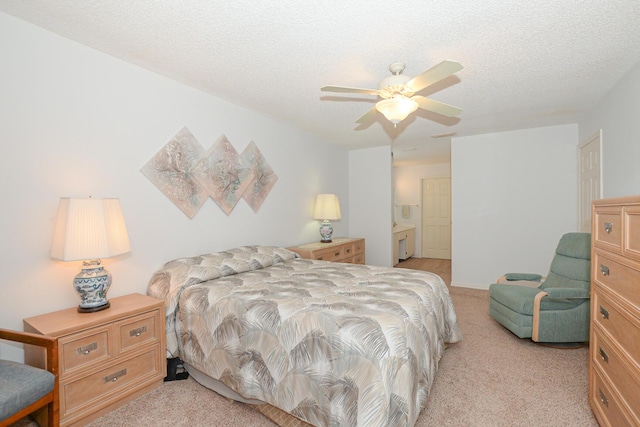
[554,309]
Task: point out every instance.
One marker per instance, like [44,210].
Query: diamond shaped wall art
[223,175]
[263,176]
[171,171]
[188,175]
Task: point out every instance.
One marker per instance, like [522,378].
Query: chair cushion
[520,299]
[575,245]
[21,385]
[516,298]
[571,266]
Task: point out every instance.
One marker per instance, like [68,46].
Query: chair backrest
[571,265]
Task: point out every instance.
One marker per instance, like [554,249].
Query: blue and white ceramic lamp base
[326,230]
[92,283]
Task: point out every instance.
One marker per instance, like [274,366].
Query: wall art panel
[263,176]
[171,170]
[223,174]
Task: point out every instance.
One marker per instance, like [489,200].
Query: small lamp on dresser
[327,209]
[87,230]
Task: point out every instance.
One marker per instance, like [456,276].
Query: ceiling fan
[398,93]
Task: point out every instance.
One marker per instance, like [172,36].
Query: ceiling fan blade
[433,75]
[368,117]
[349,90]
[436,106]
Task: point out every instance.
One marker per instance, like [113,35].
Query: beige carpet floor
[491,378]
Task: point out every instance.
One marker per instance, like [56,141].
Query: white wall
[407,182]
[513,195]
[370,189]
[76,122]
[618,115]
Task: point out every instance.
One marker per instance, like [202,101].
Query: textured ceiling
[526,63]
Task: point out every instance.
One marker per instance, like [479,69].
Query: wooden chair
[25,389]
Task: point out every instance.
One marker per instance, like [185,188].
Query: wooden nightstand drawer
[84,349]
[330,254]
[138,331]
[101,388]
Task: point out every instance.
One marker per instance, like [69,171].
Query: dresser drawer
[607,228]
[620,326]
[330,254]
[358,247]
[622,277]
[632,232]
[615,369]
[84,349]
[606,404]
[358,259]
[349,251]
[102,387]
[138,331]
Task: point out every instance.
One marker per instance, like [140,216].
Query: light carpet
[490,378]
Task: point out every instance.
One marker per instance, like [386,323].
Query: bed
[329,343]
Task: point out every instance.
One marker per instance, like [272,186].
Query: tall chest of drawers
[614,362]
[106,358]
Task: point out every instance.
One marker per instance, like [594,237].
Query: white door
[589,179]
[436,218]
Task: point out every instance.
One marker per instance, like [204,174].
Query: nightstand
[106,358]
[341,249]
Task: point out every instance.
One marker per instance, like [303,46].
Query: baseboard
[470,286]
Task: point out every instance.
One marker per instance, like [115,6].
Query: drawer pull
[337,254]
[604,355]
[86,349]
[114,377]
[348,251]
[604,269]
[138,331]
[603,398]
[604,312]
[608,226]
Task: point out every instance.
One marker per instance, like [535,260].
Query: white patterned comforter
[332,344]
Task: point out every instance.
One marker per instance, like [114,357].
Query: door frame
[597,136]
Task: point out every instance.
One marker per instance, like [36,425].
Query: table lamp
[327,209]
[87,230]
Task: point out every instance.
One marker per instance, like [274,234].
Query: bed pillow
[238,260]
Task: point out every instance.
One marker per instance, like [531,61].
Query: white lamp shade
[327,207]
[397,109]
[89,229]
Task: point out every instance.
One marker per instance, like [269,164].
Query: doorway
[436,218]
[589,178]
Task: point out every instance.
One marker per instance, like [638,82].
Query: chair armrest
[50,345]
[521,279]
[568,293]
[523,276]
[28,338]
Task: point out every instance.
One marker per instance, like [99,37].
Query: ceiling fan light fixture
[396,109]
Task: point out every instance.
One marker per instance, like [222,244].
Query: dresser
[614,362]
[341,249]
[106,358]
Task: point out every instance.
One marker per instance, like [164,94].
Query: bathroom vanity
[404,242]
